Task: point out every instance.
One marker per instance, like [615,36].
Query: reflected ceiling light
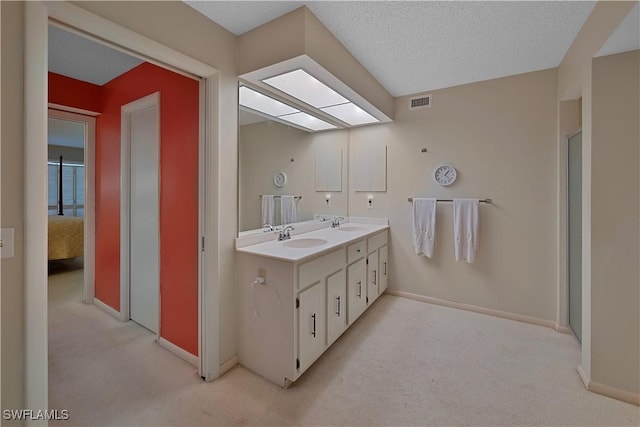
[307,121]
[259,102]
[350,113]
[262,103]
[306,88]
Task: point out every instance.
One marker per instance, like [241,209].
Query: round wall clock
[280,179]
[445,174]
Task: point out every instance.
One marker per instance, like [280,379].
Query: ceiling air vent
[420,102]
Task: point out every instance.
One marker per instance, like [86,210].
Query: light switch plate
[6,242]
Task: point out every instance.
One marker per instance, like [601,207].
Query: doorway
[72,137]
[38,15]
[141,210]
[574,204]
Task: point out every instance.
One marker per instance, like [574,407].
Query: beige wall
[500,134]
[615,281]
[12,368]
[575,81]
[268,147]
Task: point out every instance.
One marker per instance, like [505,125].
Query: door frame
[125,201]
[566,282]
[59,112]
[38,15]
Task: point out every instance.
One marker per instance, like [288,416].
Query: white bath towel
[465,229]
[288,213]
[268,209]
[424,226]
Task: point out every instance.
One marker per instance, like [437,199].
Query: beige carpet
[403,363]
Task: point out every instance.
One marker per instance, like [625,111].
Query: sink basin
[351,228]
[304,243]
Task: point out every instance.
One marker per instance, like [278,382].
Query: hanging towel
[465,229]
[424,226]
[288,212]
[268,206]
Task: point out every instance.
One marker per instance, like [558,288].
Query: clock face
[445,175]
[280,179]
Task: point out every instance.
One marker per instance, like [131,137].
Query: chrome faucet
[336,222]
[267,227]
[285,234]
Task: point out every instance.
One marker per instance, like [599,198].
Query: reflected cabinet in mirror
[280,160]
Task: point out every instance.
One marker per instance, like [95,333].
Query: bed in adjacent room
[66,237]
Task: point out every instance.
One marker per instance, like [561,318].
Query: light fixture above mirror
[308,89]
[258,102]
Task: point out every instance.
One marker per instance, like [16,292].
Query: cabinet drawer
[355,251]
[374,242]
[320,268]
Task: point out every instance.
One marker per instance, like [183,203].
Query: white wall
[501,136]
[268,147]
[615,282]
[12,369]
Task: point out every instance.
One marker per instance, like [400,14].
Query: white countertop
[335,237]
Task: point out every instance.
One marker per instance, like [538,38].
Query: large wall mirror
[277,159]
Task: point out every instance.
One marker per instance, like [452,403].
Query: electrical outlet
[370,202]
[327,200]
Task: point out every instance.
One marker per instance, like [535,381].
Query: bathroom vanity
[297,296]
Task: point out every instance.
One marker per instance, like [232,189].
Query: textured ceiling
[626,37]
[82,59]
[417,46]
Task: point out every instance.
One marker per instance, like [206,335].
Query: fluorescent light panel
[306,88]
[350,113]
[257,101]
[307,121]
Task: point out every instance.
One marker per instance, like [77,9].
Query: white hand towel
[288,212]
[424,226]
[465,228]
[268,207]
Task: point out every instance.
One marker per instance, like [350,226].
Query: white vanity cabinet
[303,306]
[336,305]
[311,321]
[357,289]
[377,265]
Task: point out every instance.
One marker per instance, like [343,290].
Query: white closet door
[145,221]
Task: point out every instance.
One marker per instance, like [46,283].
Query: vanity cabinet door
[336,305]
[357,289]
[383,266]
[311,324]
[373,277]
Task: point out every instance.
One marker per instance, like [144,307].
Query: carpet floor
[403,363]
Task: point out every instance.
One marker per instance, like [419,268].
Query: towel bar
[451,200]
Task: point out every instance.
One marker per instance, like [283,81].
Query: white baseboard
[605,390]
[563,329]
[183,354]
[584,377]
[110,310]
[616,393]
[474,308]
[226,366]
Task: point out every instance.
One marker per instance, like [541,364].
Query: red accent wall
[74,93]
[179,137]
